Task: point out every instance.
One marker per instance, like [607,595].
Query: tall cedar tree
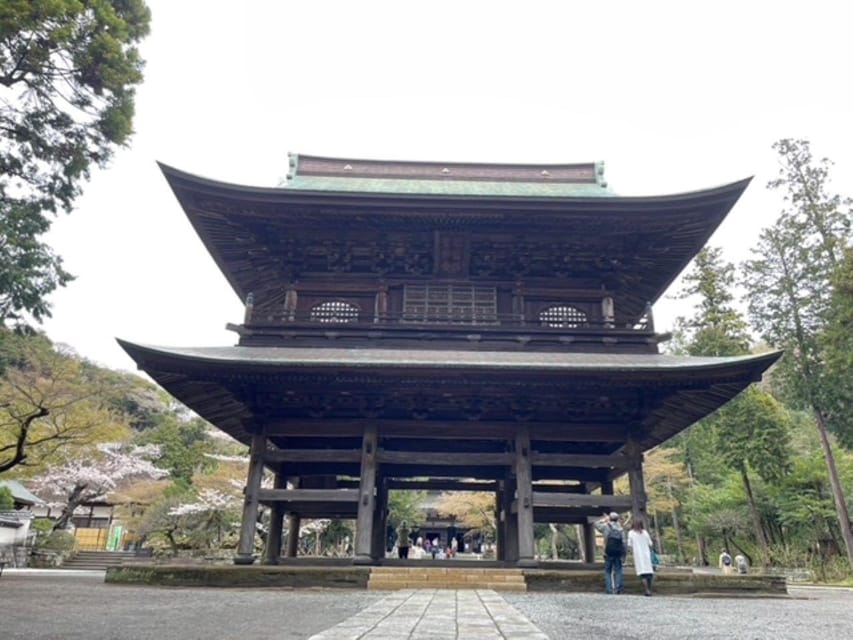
[751,431]
[791,282]
[68,69]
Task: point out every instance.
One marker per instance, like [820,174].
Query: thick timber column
[635,480]
[510,553]
[246,546]
[294,521]
[380,519]
[500,523]
[524,491]
[588,535]
[366,498]
[272,553]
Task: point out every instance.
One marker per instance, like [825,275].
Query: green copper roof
[313,173]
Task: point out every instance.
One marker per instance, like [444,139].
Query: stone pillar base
[244,559]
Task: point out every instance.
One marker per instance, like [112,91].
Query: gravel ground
[74,605]
[69,605]
[807,614]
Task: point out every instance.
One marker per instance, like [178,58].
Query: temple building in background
[446,326]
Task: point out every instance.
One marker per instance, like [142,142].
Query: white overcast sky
[672,96]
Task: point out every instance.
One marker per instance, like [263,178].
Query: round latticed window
[334,311]
[562,316]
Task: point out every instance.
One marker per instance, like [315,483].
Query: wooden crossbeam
[308,495]
[448,429]
[385,456]
[543,499]
[442,485]
[313,455]
[579,460]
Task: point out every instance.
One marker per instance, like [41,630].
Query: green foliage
[183,446]
[7,501]
[68,69]
[59,541]
[50,406]
[405,505]
[717,328]
[836,344]
[790,280]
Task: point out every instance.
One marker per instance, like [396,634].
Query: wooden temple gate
[468,326]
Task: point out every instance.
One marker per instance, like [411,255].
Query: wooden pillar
[246,546]
[500,522]
[510,554]
[588,531]
[272,553]
[294,521]
[524,491]
[636,482]
[380,518]
[366,498]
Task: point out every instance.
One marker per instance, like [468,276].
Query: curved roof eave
[178,178]
[267,359]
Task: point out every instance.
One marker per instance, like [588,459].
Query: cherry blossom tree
[86,478]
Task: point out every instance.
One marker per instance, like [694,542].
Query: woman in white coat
[641,547]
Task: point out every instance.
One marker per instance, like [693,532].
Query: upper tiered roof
[446,178]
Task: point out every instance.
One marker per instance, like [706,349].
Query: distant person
[454,547]
[614,551]
[725,562]
[403,540]
[741,565]
[434,547]
[640,543]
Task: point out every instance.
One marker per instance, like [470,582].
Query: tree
[666,476]
[48,406]
[68,69]
[475,508]
[790,284]
[716,328]
[86,478]
[836,344]
[183,446]
[752,432]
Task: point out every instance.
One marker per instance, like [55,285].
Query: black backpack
[614,544]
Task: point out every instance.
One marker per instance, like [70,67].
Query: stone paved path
[436,614]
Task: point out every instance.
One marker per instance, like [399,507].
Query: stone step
[392,578]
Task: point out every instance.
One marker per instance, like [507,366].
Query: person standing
[725,562]
[403,534]
[614,551]
[640,543]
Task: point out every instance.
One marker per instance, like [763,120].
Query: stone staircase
[97,560]
[393,578]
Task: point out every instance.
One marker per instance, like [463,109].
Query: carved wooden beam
[268,496]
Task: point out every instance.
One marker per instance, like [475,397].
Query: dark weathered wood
[524,491]
[313,455]
[636,482]
[272,551]
[271,496]
[588,535]
[500,523]
[441,485]
[510,522]
[445,458]
[246,546]
[293,524]
[579,460]
[610,503]
[367,498]
[452,429]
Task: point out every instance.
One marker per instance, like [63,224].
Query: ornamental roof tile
[430,358]
[435,178]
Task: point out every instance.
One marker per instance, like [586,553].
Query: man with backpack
[614,551]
